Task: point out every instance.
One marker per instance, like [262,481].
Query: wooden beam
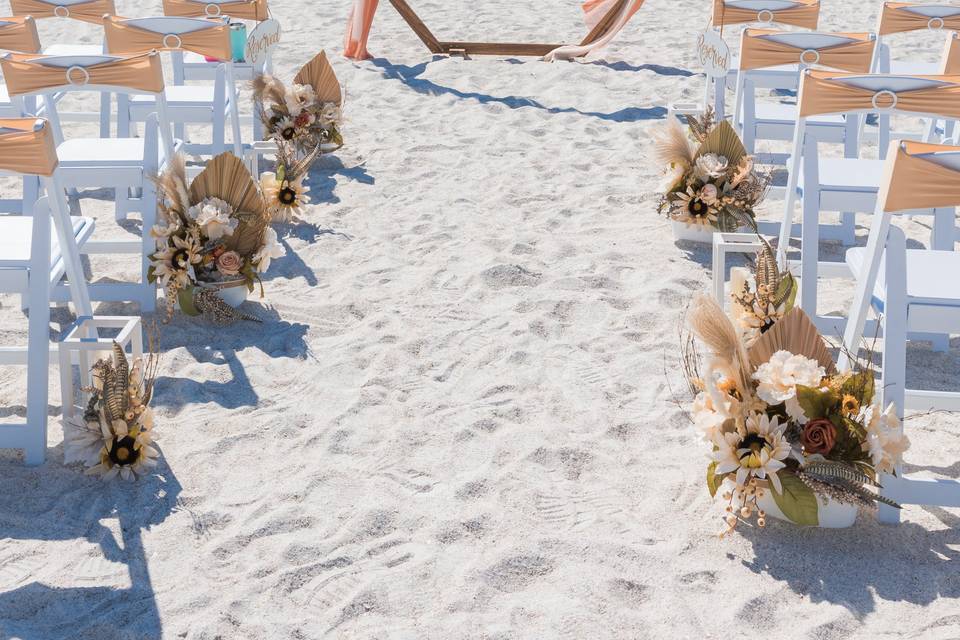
[605,23]
[499,48]
[412,19]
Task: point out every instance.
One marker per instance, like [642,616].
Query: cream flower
[885,442]
[711,165]
[285,199]
[690,209]
[780,376]
[709,194]
[213,215]
[303,94]
[330,114]
[83,440]
[759,454]
[271,249]
[705,417]
[175,263]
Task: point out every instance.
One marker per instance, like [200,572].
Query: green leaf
[860,386]
[815,403]
[797,502]
[185,300]
[281,172]
[787,291]
[713,482]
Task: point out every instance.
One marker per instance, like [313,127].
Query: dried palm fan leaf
[227,178]
[319,74]
[714,328]
[672,147]
[723,141]
[796,333]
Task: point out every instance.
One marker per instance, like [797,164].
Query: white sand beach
[459,418]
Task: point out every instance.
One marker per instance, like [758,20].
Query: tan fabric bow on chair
[899,17]
[759,51]
[19,34]
[240,10]
[804,13]
[27,146]
[123,36]
[827,92]
[92,11]
[27,73]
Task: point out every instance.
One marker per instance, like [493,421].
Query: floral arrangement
[784,426]
[211,235]
[711,179]
[114,436]
[284,190]
[307,114]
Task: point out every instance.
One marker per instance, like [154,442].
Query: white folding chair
[126,164]
[905,17]
[32,262]
[804,14]
[844,184]
[89,11]
[913,291]
[209,104]
[18,34]
[191,66]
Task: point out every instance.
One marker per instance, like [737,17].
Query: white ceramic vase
[830,513]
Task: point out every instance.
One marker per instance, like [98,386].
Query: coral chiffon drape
[361,19]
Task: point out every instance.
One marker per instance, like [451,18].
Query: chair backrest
[237,9]
[920,175]
[27,146]
[900,17]
[27,74]
[797,13]
[763,48]
[205,36]
[86,10]
[19,34]
[831,92]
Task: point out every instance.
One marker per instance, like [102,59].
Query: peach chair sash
[922,176]
[237,9]
[899,17]
[27,146]
[824,92]
[19,34]
[211,38]
[759,50]
[89,11]
[803,13]
[26,73]
[951,55]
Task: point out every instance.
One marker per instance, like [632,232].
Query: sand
[458,420]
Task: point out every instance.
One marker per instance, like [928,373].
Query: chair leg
[887,514]
[38,343]
[148,301]
[809,252]
[31,192]
[219,134]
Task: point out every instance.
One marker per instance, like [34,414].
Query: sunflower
[286,129]
[759,453]
[690,208]
[285,198]
[175,263]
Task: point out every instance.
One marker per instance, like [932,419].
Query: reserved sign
[261,41]
[713,54]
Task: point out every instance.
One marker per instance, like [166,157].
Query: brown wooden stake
[412,19]
[605,23]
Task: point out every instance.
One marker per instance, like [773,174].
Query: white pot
[692,232]
[830,513]
[233,296]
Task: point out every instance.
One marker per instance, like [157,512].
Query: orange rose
[818,436]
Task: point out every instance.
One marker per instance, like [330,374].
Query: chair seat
[780,113]
[180,96]
[907,68]
[848,174]
[16,233]
[927,276]
[97,152]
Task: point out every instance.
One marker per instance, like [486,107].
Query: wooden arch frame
[497,48]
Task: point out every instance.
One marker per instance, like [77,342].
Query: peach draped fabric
[824,92]
[594,11]
[212,41]
[92,11]
[240,10]
[757,51]
[916,182]
[26,148]
[896,17]
[951,56]
[358,29]
[25,73]
[804,13]
[19,34]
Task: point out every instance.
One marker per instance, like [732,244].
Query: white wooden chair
[32,262]
[804,14]
[912,291]
[906,17]
[126,164]
[89,11]
[207,104]
[844,184]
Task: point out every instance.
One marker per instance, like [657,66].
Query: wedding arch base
[454,47]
